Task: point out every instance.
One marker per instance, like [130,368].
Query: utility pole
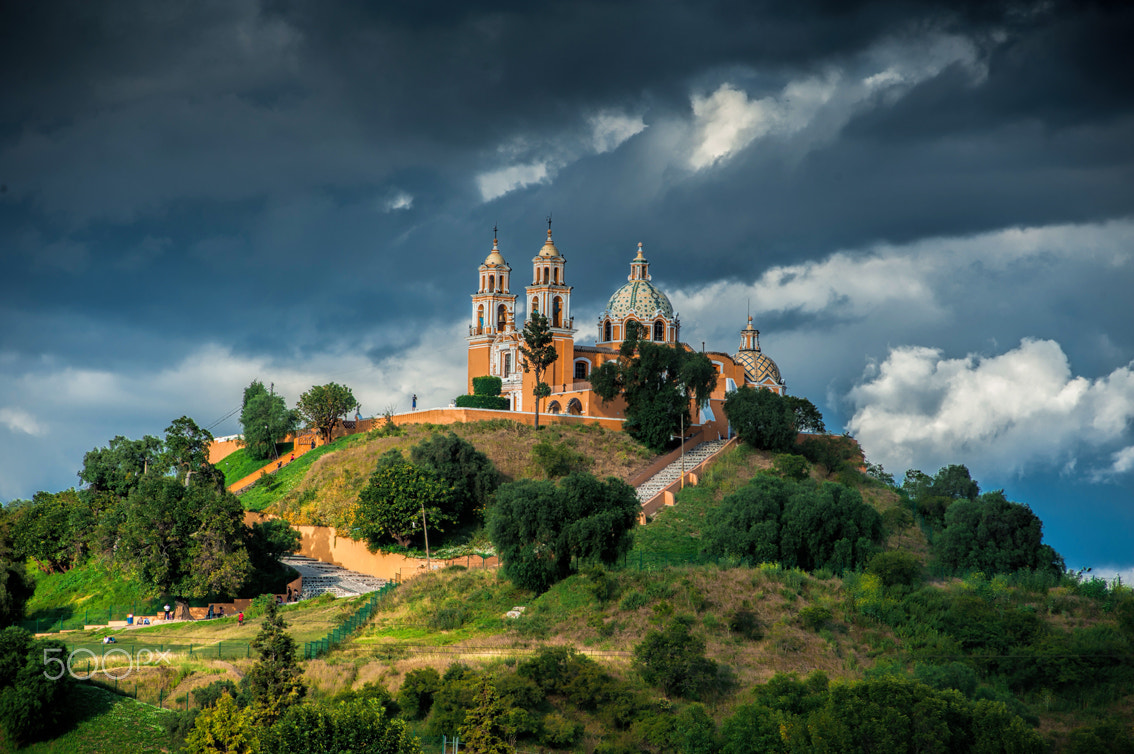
[425,531]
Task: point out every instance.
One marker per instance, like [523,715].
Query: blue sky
[927,208]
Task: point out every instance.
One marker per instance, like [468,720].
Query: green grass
[238,465]
[106,722]
[676,531]
[275,486]
[91,590]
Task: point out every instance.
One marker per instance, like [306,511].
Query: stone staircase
[672,473]
[320,578]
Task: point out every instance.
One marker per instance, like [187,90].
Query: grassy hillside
[322,486]
[106,722]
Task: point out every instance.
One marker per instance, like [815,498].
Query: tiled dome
[640,297]
[758,366]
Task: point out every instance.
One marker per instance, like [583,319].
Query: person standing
[415,401]
[167,614]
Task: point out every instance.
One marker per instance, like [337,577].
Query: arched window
[556,278]
[580,370]
[501,316]
[574,407]
[557,312]
[491,283]
[482,283]
[480,318]
[535,306]
[546,275]
[659,330]
[607,331]
[554,408]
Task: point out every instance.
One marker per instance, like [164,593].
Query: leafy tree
[187,451]
[539,353]
[459,465]
[323,406]
[266,420]
[223,728]
[657,382]
[994,535]
[762,418]
[118,468]
[539,528]
[807,417]
[485,730]
[32,704]
[53,529]
[188,540]
[15,586]
[275,682]
[390,506]
[674,659]
[357,726]
[954,482]
[416,694]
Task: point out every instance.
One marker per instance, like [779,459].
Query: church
[495,338]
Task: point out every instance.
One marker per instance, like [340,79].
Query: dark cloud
[297,191]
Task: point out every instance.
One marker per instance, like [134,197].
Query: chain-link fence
[320,647]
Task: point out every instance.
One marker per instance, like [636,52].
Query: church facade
[495,336]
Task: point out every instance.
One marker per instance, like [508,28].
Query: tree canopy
[266,420]
[323,406]
[470,475]
[117,468]
[188,540]
[539,353]
[390,506]
[657,382]
[993,535]
[762,418]
[798,524]
[538,528]
[53,529]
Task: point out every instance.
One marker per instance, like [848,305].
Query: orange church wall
[218,451]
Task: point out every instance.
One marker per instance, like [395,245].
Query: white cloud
[919,278]
[18,420]
[92,406]
[1123,461]
[500,182]
[1001,413]
[815,107]
[400,200]
[609,129]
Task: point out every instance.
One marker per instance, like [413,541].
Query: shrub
[790,466]
[674,659]
[416,695]
[745,623]
[494,402]
[558,459]
[895,567]
[486,385]
[815,617]
[633,600]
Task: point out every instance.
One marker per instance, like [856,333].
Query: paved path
[320,577]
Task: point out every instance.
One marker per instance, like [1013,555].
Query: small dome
[758,367]
[549,251]
[641,297]
[495,257]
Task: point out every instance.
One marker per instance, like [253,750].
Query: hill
[1043,660]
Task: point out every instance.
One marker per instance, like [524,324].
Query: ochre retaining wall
[323,543]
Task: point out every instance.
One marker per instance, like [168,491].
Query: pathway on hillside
[301,445]
[672,473]
[320,577]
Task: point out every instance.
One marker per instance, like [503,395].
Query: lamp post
[425,531]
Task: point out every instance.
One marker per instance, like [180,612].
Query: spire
[494,256]
[549,250]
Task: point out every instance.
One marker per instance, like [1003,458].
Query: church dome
[758,367]
[641,297]
[495,257]
[549,250]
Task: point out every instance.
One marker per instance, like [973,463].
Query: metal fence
[67,619]
[320,647]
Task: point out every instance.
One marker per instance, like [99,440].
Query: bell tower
[493,311]
[550,295]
